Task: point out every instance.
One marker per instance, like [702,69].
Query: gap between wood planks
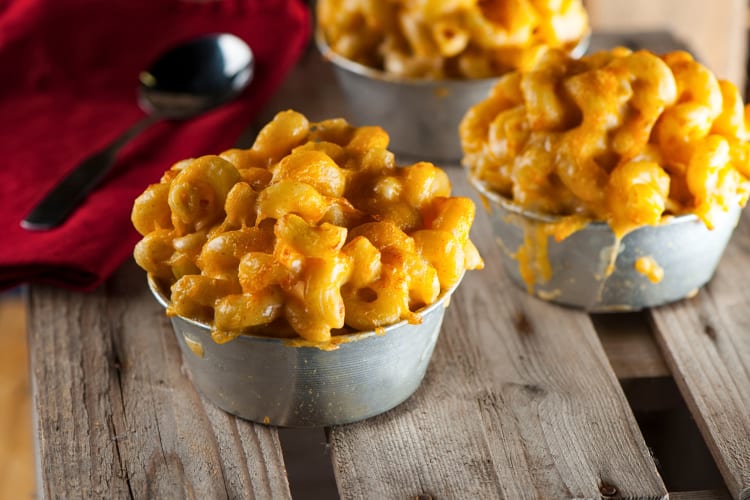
[681,454]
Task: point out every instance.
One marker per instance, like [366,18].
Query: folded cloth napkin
[69,87]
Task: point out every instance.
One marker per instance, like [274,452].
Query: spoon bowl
[187,80]
[195,77]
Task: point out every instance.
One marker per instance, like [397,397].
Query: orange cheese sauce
[532,255]
[195,346]
[648,267]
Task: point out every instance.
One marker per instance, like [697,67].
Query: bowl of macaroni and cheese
[614,181]
[307,276]
[416,67]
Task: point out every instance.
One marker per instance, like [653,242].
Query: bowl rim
[376,74]
[345,338]
[510,206]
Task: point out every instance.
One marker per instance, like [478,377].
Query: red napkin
[68,87]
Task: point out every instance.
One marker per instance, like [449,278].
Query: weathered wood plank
[519,401]
[699,495]
[706,342]
[117,417]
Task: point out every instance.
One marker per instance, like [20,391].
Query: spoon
[187,80]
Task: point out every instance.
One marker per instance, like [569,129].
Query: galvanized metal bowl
[420,115]
[682,247]
[291,383]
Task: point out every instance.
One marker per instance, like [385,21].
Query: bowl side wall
[279,384]
[685,249]
[422,118]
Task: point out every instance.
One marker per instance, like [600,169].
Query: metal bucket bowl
[421,116]
[285,382]
[590,270]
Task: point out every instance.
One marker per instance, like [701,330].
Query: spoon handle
[60,202]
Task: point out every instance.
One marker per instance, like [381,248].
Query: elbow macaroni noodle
[450,38]
[619,136]
[314,230]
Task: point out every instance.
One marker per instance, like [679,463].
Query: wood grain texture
[699,495]
[706,342]
[519,401]
[116,415]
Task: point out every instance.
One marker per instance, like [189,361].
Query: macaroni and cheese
[618,136]
[450,39]
[312,231]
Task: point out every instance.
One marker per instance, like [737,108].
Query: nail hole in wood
[523,325]
[608,490]
[534,389]
[710,331]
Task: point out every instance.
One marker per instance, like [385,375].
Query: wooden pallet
[522,398]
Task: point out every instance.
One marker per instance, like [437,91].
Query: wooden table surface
[521,399]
